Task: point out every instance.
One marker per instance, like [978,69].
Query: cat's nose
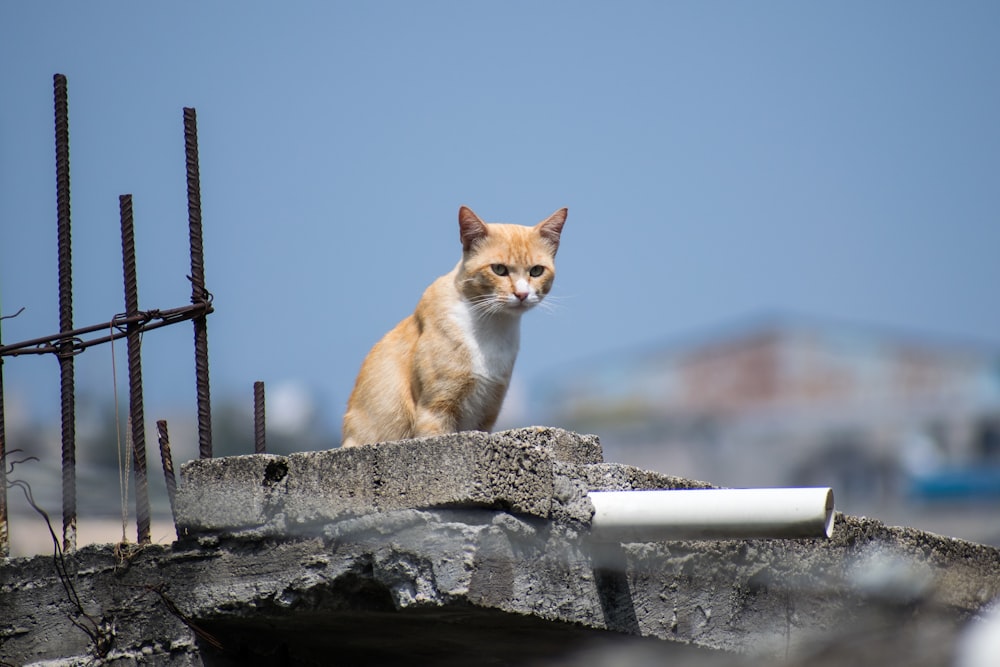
[522,290]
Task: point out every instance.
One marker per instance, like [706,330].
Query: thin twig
[98,634]
[10,317]
[172,607]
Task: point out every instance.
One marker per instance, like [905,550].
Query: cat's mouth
[516,302]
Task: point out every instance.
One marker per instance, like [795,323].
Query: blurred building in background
[884,418]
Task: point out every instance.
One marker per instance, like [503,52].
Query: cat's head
[507,269]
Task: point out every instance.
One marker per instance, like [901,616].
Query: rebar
[198,292]
[168,465]
[66,344]
[134,344]
[66,383]
[4,536]
[259,445]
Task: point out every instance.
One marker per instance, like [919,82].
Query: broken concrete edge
[537,473]
[907,562]
[474,561]
[490,554]
[542,472]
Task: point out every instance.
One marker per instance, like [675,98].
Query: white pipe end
[712,514]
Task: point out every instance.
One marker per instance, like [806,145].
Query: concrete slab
[276,494]
[378,554]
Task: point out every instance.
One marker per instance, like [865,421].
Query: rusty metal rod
[53,344]
[168,465]
[259,445]
[4,535]
[134,337]
[66,381]
[198,291]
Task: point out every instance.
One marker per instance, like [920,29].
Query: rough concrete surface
[472,548]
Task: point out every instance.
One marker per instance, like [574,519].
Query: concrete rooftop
[474,547]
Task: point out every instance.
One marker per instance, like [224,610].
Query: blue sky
[718,159]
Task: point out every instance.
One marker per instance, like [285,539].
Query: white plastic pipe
[711,514]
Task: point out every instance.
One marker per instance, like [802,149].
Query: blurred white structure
[797,402]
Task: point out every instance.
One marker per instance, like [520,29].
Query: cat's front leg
[429,421]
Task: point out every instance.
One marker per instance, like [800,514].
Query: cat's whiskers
[482,298]
[485,305]
[493,307]
[552,304]
[488,305]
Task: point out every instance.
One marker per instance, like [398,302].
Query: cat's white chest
[492,342]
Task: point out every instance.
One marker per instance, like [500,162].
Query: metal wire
[72,343]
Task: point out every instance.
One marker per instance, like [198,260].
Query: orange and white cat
[446,367]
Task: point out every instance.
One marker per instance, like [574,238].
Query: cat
[446,367]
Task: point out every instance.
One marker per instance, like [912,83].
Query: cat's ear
[473,230]
[551,228]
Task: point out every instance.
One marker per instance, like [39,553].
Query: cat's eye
[536,271]
[500,269]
